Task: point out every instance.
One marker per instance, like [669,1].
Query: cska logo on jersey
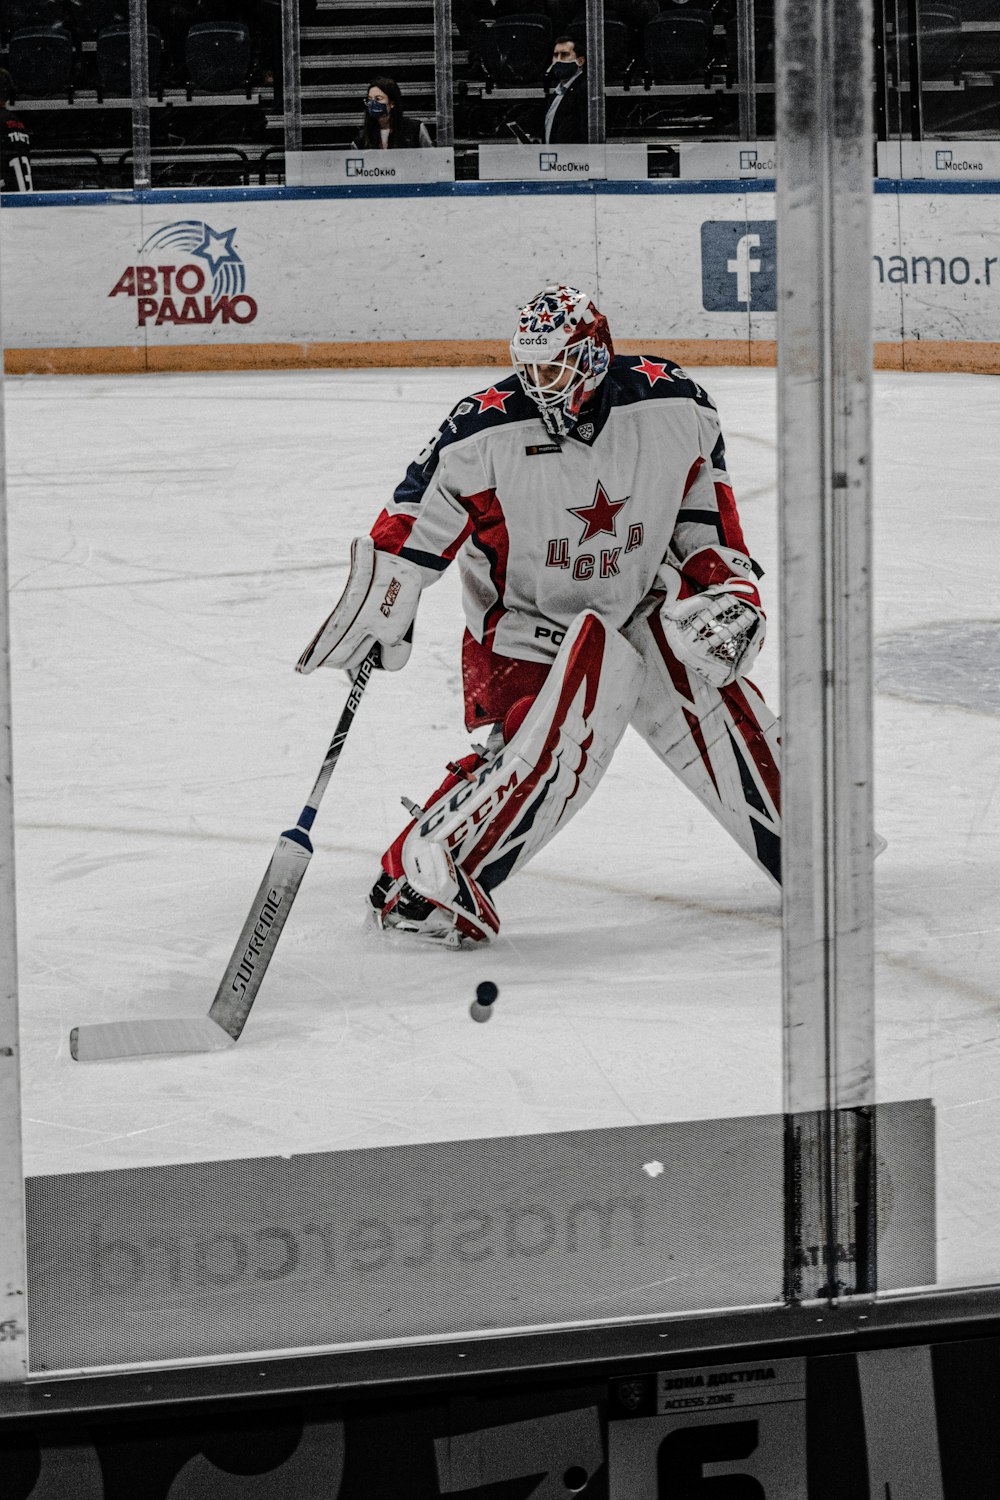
[600,515]
[488,400]
[600,518]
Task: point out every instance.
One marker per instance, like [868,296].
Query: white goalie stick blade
[255,946]
[105,1041]
[240,983]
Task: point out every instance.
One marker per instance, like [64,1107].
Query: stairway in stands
[344,45]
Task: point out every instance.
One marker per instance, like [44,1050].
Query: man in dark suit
[566,116]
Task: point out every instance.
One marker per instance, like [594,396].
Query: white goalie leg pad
[722,742]
[488,828]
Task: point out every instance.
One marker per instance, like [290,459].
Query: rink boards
[281,278]
[440,1239]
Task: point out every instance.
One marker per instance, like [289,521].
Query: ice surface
[175,541]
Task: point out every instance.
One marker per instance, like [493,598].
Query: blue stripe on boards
[935,185]
[658,187]
[125,198]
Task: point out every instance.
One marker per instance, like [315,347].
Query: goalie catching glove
[378,605]
[719,631]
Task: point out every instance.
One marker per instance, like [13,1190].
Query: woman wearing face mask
[386,125]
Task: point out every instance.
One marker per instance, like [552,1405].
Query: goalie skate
[468,917]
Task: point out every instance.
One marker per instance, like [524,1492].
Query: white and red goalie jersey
[542,530]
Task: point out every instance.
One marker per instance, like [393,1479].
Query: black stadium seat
[517,50]
[92,16]
[40,60]
[676,45]
[941,41]
[617,51]
[763,43]
[218,57]
[114,60]
[31,15]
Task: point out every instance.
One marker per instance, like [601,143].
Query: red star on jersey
[652,371]
[491,398]
[599,516]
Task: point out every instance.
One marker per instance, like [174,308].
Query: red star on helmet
[492,398]
[599,516]
[652,371]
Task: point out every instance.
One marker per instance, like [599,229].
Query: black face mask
[561,72]
[376,108]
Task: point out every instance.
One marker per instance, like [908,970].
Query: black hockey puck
[482,1007]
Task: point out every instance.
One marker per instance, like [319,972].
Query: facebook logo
[738,265]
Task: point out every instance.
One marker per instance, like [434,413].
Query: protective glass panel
[76,133]
[370,79]
[368,1162]
[372,1160]
[521,78]
[211,92]
[749,50]
[502,85]
[215,97]
[959,60]
[348,48]
[937,702]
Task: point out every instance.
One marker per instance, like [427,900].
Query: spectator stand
[942,64]
[666,73]
[672,74]
[343,46]
[71,70]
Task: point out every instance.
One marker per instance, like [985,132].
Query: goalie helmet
[561,352]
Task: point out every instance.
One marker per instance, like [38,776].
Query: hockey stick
[228,1013]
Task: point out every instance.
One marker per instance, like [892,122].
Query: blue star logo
[217,249]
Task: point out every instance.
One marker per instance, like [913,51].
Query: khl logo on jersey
[739,265]
[198,276]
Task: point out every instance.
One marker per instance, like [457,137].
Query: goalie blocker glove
[378,604]
[718,631]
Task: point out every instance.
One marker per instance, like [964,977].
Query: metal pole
[915,71]
[13,1277]
[291,52]
[824,483]
[444,84]
[881,73]
[595,72]
[139,57]
[746,41]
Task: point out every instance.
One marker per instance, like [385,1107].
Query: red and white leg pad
[482,827]
[722,742]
